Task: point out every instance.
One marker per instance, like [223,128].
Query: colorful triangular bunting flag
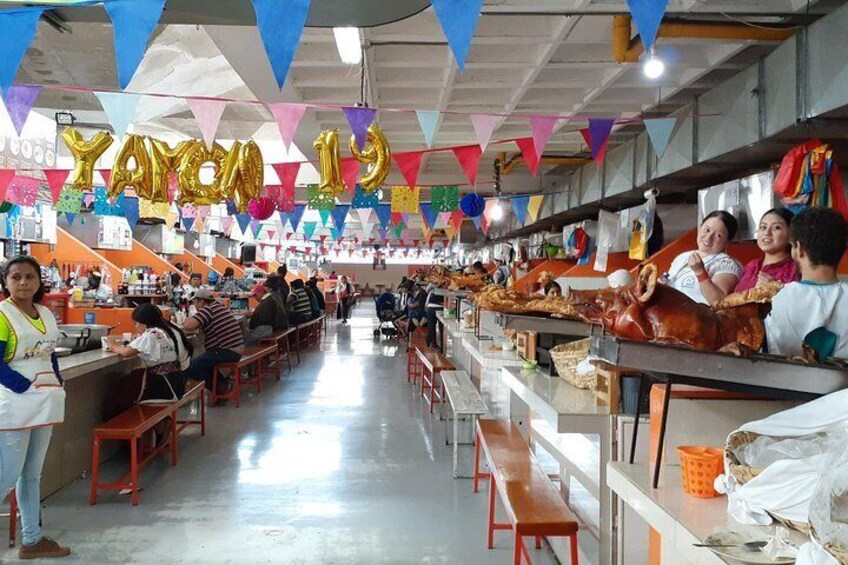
[133,23]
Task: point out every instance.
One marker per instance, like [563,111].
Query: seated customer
[195,282]
[300,310]
[313,301]
[814,310]
[773,241]
[229,284]
[312,284]
[284,291]
[268,316]
[223,338]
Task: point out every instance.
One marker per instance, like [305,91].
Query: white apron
[44,402]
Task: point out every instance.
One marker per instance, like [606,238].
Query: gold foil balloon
[251,177]
[376,155]
[192,189]
[166,161]
[85,154]
[329,168]
[229,178]
[140,177]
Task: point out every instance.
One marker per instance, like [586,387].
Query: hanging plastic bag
[786,182]
[829,512]
[638,242]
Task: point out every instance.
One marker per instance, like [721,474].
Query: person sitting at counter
[285,290]
[166,353]
[312,286]
[32,398]
[708,274]
[270,315]
[195,282]
[814,311]
[313,300]
[501,274]
[553,289]
[228,284]
[773,241]
[300,310]
[223,338]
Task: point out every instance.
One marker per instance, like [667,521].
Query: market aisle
[338,463]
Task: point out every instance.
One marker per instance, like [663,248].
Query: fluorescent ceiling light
[348,44]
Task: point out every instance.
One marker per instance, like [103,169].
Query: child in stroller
[388,316]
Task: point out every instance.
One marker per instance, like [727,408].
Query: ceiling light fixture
[653,67]
[497,212]
[348,44]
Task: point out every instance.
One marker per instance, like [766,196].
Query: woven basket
[744,473]
[567,356]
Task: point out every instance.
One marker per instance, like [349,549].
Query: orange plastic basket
[700,467]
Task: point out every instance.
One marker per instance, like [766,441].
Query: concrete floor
[338,463]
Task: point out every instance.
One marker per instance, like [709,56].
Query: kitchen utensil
[63,351]
[732,546]
[748,546]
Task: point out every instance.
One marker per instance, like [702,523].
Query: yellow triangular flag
[535,205]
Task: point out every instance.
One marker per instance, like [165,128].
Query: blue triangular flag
[335,233]
[131,212]
[231,208]
[188,223]
[384,213]
[133,22]
[309,229]
[430,214]
[17,27]
[284,217]
[458,19]
[256,227]
[384,232]
[70,217]
[478,220]
[325,217]
[280,24]
[360,119]
[647,16]
[119,108]
[339,214]
[428,120]
[519,208]
[659,131]
[243,221]
[296,216]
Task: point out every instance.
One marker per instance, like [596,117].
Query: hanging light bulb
[653,67]
[497,212]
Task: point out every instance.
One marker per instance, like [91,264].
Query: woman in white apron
[31,398]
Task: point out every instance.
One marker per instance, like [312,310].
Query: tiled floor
[337,463]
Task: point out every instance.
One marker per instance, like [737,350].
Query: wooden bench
[418,339]
[309,333]
[251,356]
[534,506]
[464,400]
[432,364]
[131,426]
[280,340]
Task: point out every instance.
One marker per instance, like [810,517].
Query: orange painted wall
[69,249]
[743,251]
[220,264]
[141,255]
[198,265]
[554,266]
[107,316]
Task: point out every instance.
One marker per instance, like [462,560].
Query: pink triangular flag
[469,157]
[528,150]
[6,176]
[542,127]
[56,181]
[88,198]
[409,164]
[350,170]
[484,125]
[288,118]
[106,174]
[364,215]
[287,173]
[227,224]
[208,113]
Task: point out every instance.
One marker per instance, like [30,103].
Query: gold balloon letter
[376,155]
[165,163]
[140,178]
[192,190]
[85,155]
[327,146]
[251,178]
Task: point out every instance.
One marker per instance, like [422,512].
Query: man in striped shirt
[300,309]
[223,338]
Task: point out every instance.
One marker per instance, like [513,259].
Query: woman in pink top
[773,240]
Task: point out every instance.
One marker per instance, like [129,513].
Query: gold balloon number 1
[376,155]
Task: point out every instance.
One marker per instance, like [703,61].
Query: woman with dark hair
[165,351]
[312,285]
[32,397]
[708,274]
[553,289]
[228,284]
[773,241]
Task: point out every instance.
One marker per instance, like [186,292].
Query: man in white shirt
[815,310]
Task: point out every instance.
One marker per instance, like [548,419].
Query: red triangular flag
[528,150]
[6,176]
[350,170]
[397,218]
[107,176]
[468,157]
[56,181]
[409,164]
[456,219]
[287,173]
[602,152]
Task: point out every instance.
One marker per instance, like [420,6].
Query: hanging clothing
[30,354]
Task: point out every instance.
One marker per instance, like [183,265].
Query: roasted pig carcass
[507,301]
[648,311]
[760,294]
[443,278]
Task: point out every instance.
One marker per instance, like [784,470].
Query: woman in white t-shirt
[708,274]
[165,351]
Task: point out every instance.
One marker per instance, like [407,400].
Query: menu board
[114,232]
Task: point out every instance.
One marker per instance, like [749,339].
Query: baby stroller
[387,315]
